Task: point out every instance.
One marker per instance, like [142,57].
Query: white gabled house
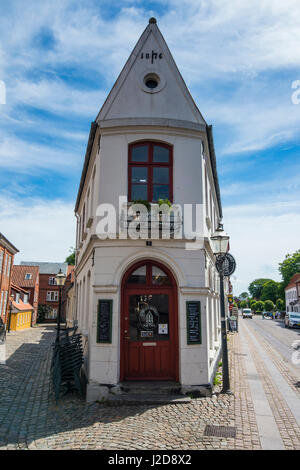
[148,308]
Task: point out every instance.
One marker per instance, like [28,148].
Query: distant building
[21,311]
[27,277]
[48,290]
[292,294]
[7,253]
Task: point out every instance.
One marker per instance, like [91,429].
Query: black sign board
[193,322]
[104,321]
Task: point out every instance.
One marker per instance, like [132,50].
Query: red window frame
[150,164]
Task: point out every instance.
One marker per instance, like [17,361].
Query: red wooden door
[149,325]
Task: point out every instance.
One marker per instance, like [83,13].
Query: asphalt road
[279,337]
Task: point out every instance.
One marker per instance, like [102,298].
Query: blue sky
[238,58]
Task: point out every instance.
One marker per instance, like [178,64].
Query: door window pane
[149,317]
[160,154]
[161,175]
[138,276]
[139,174]
[139,153]
[159,277]
[160,192]
[139,191]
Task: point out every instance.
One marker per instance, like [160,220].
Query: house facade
[147,291]
[48,290]
[27,277]
[7,253]
[21,311]
[292,294]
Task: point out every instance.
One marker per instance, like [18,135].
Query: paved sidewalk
[30,419]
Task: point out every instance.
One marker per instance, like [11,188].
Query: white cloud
[260,237]
[41,230]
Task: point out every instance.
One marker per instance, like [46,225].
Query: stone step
[145,399]
[151,388]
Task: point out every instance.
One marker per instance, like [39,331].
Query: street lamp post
[60,282]
[220,241]
[10,308]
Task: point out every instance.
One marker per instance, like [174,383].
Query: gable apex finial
[152,20]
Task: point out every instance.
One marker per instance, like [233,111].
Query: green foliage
[289,267]
[251,302]
[244,295]
[269,306]
[164,201]
[280,304]
[244,304]
[43,311]
[259,306]
[256,286]
[143,202]
[270,291]
[71,258]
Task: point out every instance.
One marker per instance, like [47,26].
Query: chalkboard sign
[104,321]
[193,321]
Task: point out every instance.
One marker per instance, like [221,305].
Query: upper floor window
[28,276]
[150,172]
[52,281]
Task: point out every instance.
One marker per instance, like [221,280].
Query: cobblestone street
[30,419]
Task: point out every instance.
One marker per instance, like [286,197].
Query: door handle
[127,337]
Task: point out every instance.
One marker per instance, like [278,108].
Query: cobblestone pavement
[30,419]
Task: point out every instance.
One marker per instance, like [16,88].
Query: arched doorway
[149,323]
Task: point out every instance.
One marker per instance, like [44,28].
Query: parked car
[2,331]
[292,319]
[247,313]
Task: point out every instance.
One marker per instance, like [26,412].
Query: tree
[244,295]
[43,311]
[259,306]
[71,258]
[269,306]
[270,291]
[256,287]
[280,304]
[244,304]
[289,267]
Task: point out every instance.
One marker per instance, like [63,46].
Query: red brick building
[27,277]
[7,253]
[48,290]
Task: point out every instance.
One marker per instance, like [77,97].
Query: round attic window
[151,82]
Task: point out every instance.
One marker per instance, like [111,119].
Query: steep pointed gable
[130,96]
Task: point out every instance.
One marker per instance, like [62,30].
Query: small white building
[148,307]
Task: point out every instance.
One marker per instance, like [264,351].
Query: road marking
[287,392]
[267,428]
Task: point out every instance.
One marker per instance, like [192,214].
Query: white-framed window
[1,260]
[28,276]
[5,264]
[5,302]
[52,296]
[8,266]
[25,299]
[17,297]
[52,281]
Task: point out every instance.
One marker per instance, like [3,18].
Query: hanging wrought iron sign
[225,264]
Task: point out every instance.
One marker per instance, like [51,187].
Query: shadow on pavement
[28,411]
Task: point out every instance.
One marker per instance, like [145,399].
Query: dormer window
[28,276]
[150,172]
